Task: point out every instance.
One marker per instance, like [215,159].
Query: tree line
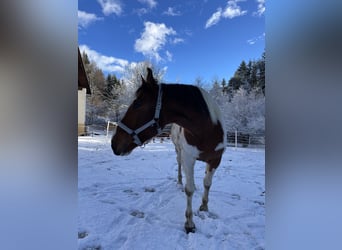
[241,98]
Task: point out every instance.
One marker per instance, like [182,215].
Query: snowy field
[133,202]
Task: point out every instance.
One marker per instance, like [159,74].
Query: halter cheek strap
[154,121]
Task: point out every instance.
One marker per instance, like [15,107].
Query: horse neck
[183,105]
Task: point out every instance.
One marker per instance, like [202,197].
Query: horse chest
[181,142]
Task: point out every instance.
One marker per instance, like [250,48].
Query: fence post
[235,138]
[107,128]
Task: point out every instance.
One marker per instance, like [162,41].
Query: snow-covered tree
[217,93]
[256,106]
[245,112]
[95,105]
[111,97]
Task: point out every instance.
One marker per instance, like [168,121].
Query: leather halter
[154,121]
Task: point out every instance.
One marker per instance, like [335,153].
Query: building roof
[82,75]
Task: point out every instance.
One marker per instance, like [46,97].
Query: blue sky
[199,38]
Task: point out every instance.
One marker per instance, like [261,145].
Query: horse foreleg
[175,136]
[207,184]
[179,168]
[188,168]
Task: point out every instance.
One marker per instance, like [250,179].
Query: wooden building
[83,91]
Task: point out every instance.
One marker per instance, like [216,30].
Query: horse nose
[115,148]
[116,152]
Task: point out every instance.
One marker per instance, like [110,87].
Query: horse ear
[149,77]
[142,79]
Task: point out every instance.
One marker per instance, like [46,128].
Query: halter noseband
[135,133]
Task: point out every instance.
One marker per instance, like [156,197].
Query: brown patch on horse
[187,107]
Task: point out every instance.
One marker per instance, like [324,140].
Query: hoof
[203,208]
[190,229]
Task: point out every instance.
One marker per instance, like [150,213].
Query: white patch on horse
[188,156]
[214,111]
[220,146]
[187,149]
[175,134]
[215,115]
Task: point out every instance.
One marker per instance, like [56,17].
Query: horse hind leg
[209,173]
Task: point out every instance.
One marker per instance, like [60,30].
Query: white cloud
[251,41]
[110,7]
[151,3]
[214,19]
[141,11]
[231,11]
[84,18]
[171,12]
[153,39]
[168,56]
[256,39]
[177,40]
[105,63]
[261,8]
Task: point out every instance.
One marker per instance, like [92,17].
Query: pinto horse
[199,131]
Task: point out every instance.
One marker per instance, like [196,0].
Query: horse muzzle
[122,149]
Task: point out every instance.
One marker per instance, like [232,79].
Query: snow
[134,202]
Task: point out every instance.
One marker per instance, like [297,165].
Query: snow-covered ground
[133,202]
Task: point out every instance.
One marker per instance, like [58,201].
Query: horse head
[141,120]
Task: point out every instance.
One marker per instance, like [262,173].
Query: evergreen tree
[249,71]
[253,75]
[261,76]
[224,85]
[242,100]
[234,84]
[112,83]
[242,72]
[239,79]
